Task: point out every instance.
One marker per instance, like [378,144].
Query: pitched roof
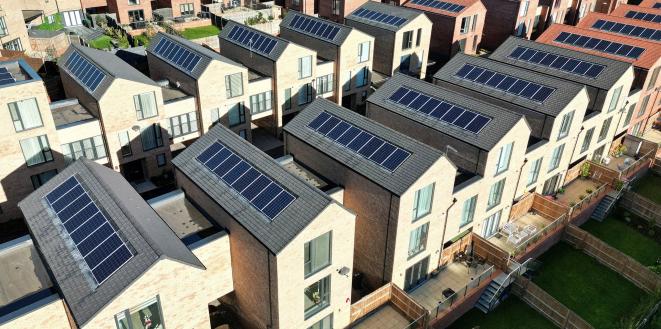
[273,234]
[111,65]
[144,232]
[553,105]
[397,11]
[206,55]
[501,122]
[588,22]
[279,47]
[623,9]
[650,4]
[433,10]
[649,57]
[338,40]
[612,72]
[408,172]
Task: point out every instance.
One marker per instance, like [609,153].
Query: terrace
[388,307]
[629,156]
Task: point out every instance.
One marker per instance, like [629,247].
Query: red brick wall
[501,20]
[122,8]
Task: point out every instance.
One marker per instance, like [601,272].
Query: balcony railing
[460,295]
[523,246]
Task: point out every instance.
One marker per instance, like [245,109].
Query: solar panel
[95,238]
[262,192]
[177,55]
[365,144]
[439,109]
[378,17]
[503,82]
[558,62]
[3,70]
[6,77]
[604,46]
[643,16]
[627,29]
[442,5]
[314,27]
[254,41]
[87,74]
[657,5]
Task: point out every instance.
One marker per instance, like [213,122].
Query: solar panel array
[657,5]
[558,62]
[263,193]
[87,74]
[643,16]
[365,144]
[627,29]
[439,109]
[102,249]
[314,27]
[378,17]
[604,46]
[442,5]
[6,77]
[503,82]
[252,40]
[177,55]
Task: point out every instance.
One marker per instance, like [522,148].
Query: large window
[151,137]
[25,114]
[42,178]
[336,7]
[363,51]
[305,94]
[134,2]
[495,194]
[317,254]
[324,84]
[347,81]
[468,211]
[36,150]
[325,323]
[533,172]
[260,103]
[556,156]
[181,125]
[316,297]
[13,45]
[422,201]
[136,15]
[523,9]
[233,85]
[125,143]
[147,315]
[604,129]
[587,140]
[405,63]
[362,77]
[473,26]
[3,27]
[565,125]
[627,119]
[288,99]
[504,158]
[418,38]
[615,98]
[465,25]
[407,40]
[418,240]
[187,9]
[91,148]
[643,106]
[145,105]
[236,115]
[655,75]
[304,67]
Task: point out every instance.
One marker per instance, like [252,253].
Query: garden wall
[447,255]
[493,255]
[641,206]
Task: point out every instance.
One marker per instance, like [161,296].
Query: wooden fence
[641,207]
[389,294]
[447,255]
[490,252]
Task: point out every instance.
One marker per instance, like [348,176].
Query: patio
[576,188]
[516,233]
[386,317]
[618,164]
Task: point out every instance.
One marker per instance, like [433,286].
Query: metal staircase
[491,296]
[607,204]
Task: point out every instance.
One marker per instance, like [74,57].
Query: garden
[649,186]
[200,32]
[512,313]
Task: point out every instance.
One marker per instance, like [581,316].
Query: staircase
[605,206]
[487,301]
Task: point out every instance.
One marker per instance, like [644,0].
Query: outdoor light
[344,271]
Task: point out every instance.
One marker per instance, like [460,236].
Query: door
[416,274]
[551,185]
[491,225]
[133,171]
[72,18]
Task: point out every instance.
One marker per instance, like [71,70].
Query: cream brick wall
[51,315]
[348,62]
[286,76]
[420,22]
[12,11]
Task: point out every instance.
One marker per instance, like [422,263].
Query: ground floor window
[147,315]
[187,9]
[13,45]
[325,323]
[42,178]
[136,15]
[92,148]
[317,296]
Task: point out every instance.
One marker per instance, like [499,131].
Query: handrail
[588,198]
[558,221]
[508,277]
[635,163]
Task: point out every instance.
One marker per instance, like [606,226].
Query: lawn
[102,42]
[200,32]
[510,314]
[625,238]
[602,297]
[649,187]
[55,26]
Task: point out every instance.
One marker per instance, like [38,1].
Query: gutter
[445,226]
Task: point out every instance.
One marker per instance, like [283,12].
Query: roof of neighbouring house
[324,30]
[275,50]
[404,13]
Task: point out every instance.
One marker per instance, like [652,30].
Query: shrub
[571,204]
[588,191]
[581,197]
[585,170]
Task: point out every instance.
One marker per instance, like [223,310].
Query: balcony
[628,157]
[388,307]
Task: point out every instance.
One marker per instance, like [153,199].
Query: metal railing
[460,295]
[634,165]
[523,247]
[587,199]
[509,279]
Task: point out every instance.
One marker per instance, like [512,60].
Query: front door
[133,171]
[490,225]
[416,274]
[551,185]
[72,18]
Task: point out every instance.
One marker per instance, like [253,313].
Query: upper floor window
[304,67]
[36,150]
[145,315]
[325,323]
[468,211]
[418,38]
[151,137]
[305,94]
[465,25]
[236,115]
[418,240]
[643,106]
[3,27]
[495,194]
[533,173]
[317,254]
[234,85]
[605,127]
[92,148]
[407,40]
[363,51]
[565,125]
[187,9]
[181,125]
[316,296]
[260,103]
[362,77]
[523,10]
[504,158]
[615,98]
[655,75]
[296,2]
[587,140]
[14,44]
[422,201]
[324,84]
[556,156]
[347,81]
[288,97]
[474,25]
[145,105]
[336,7]
[134,2]
[25,114]
[42,178]
[125,143]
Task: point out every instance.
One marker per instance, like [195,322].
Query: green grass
[102,42]
[142,39]
[200,32]
[649,187]
[625,238]
[55,26]
[510,314]
[602,297]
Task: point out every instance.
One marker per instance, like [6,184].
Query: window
[187,9]
[243,134]
[362,77]
[468,211]
[587,140]
[504,158]
[418,240]
[556,156]
[533,173]
[145,105]
[181,125]
[233,85]
[305,94]
[237,114]
[581,11]
[465,25]
[604,129]
[41,179]
[160,160]
[296,2]
[495,194]
[418,38]
[125,142]
[490,225]
[36,150]
[650,85]
[336,7]
[324,84]
[325,323]
[523,10]
[92,148]
[405,63]
[363,51]
[420,59]
[316,297]
[151,137]
[317,254]
[13,45]
[134,2]
[304,67]
[519,29]
[25,114]
[615,98]
[347,81]
[147,315]
[3,27]
[260,103]
[136,16]
[636,129]
[565,125]
[643,106]
[474,26]
[422,201]
[627,119]
[288,99]
[407,40]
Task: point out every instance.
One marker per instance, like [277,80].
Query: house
[134,12]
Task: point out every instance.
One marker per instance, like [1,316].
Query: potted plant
[561,190]
[585,170]
[581,197]
[619,150]
[618,185]
[588,191]
[572,204]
